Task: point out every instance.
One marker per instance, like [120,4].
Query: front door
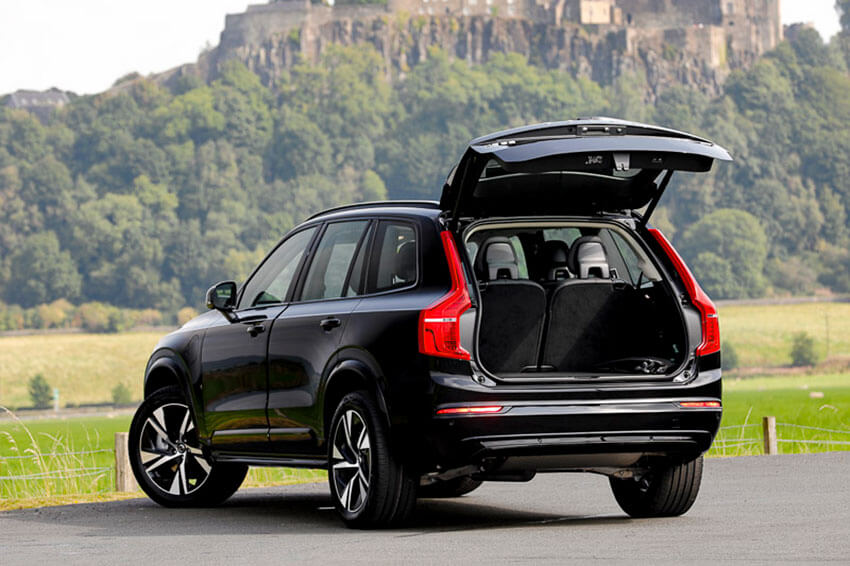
[234,368]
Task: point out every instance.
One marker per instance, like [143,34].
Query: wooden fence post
[124,479]
[771,446]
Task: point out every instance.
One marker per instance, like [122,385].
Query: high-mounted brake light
[470,410]
[708,312]
[439,324]
[700,404]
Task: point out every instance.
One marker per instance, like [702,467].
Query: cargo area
[572,299]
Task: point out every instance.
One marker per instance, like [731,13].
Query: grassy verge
[57,462]
[814,401]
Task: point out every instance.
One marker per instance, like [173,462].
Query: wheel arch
[166,369]
[347,376]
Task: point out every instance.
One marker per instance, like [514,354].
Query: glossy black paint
[263,382]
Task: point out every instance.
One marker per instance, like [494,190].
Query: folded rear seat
[512,311]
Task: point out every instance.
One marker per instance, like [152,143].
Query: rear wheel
[454,487]
[667,490]
[167,459]
[370,486]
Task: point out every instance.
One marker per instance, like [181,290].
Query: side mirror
[222,296]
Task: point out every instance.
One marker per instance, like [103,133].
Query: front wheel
[168,461]
[369,484]
[666,490]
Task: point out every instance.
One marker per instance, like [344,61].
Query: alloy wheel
[351,461]
[170,452]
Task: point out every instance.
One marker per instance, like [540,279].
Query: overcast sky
[85,45]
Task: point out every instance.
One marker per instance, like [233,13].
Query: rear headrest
[555,254]
[405,262]
[497,259]
[587,258]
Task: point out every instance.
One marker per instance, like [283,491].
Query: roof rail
[378,203]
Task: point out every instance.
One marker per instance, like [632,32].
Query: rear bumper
[571,428]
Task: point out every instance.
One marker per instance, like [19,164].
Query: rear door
[304,338]
[572,168]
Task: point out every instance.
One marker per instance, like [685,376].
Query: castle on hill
[695,42]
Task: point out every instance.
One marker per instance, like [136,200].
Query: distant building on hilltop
[39,103]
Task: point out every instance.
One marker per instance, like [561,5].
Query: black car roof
[428,208]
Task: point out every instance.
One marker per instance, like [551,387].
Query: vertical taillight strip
[439,324]
[708,312]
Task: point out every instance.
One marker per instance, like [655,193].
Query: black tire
[369,484]
[667,490]
[173,470]
[454,487]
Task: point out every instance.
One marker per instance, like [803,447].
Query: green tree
[729,249]
[40,392]
[40,271]
[803,350]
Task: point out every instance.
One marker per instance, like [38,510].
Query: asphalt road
[756,509]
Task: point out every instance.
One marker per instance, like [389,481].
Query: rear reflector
[700,404]
[439,324]
[470,410]
[708,312]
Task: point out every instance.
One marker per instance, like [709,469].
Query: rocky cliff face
[405,41]
[269,41]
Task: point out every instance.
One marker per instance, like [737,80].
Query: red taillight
[700,404]
[439,324]
[708,312]
[470,410]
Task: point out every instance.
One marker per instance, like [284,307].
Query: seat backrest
[585,322]
[404,265]
[587,258]
[511,327]
[512,311]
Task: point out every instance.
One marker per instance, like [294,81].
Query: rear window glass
[394,263]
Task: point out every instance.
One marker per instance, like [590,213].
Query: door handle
[329,324]
[255,329]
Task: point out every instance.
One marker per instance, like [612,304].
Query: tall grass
[52,465]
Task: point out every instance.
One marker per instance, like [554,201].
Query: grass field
[85,367]
[816,401]
[762,335]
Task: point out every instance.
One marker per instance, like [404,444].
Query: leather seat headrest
[497,259]
[556,256]
[588,259]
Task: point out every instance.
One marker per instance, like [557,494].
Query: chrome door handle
[255,329]
[329,324]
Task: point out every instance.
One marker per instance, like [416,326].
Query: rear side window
[328,272]
[395,257]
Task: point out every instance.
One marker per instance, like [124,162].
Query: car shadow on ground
[290,510]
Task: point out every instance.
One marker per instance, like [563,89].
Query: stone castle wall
[695,42]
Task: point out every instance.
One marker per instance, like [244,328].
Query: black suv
[531,321]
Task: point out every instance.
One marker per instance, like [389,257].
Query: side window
[630,258]
[355,280]
[395,257]
[272,282]
[329,268]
